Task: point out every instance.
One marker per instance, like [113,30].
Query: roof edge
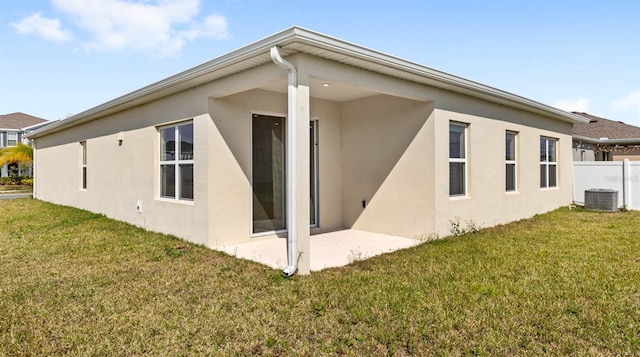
[465,86]
[44,123]
[621,141]
[607,141]
[181,77]
[355,50]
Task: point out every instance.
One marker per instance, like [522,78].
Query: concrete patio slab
[328,250]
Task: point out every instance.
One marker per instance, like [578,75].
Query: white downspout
[291,163]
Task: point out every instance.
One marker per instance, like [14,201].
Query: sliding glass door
[268,173]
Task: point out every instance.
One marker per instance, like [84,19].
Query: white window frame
[546,163]
[460,160]
[176,163]
[83,165]
[513,162]
[9,135]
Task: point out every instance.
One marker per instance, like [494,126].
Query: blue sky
[61,57]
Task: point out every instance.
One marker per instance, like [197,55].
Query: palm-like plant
[20,154]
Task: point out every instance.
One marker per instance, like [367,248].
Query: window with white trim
[83,165]
[457,159]
[511,177]
[176,161]
[548,163]
[12,138]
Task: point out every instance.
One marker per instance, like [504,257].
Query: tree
[21,154]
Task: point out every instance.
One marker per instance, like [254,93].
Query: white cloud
[50,29]
[573,105]
[631,102]
[160,26]
[214,26]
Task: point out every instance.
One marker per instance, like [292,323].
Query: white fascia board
[137,97]
[620,141]
[188,78]
[587,139]
[31,127]
[455,83]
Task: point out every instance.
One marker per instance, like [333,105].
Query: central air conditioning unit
[601,199]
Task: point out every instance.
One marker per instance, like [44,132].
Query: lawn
[15,188]
[73,282]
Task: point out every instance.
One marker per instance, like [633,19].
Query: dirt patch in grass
[73,282]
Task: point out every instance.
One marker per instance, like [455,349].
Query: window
[12,139]
[83,146]
[176,161]
[510,161]
[548,163]
[457,159]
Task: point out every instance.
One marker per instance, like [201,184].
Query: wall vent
[601,199]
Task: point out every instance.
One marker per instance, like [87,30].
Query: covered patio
[328,250]
[318,148]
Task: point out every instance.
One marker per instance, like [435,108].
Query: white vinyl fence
[622,176]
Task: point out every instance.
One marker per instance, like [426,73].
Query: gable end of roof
[19,121]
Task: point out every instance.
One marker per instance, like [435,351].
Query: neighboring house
[13,129]
[305,133]
[605,140]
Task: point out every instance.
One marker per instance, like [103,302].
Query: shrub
[457,228]
[16,180]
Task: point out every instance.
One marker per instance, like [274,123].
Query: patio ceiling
[326,89]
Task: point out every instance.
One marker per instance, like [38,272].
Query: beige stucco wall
[367,151]
[231,156]
[632,155]
[389,149]
[486,202]
[583,151]
[395,154]
[120,176]
[388,163]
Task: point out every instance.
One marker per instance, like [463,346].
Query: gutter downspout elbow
[292,217]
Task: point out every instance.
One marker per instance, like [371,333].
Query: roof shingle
[599,128]
[18,120]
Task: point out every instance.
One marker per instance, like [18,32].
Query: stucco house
[301,133]
[13,128]
[602,139]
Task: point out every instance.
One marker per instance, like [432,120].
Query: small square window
[12,139]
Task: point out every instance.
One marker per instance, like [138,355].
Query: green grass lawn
[73,282]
